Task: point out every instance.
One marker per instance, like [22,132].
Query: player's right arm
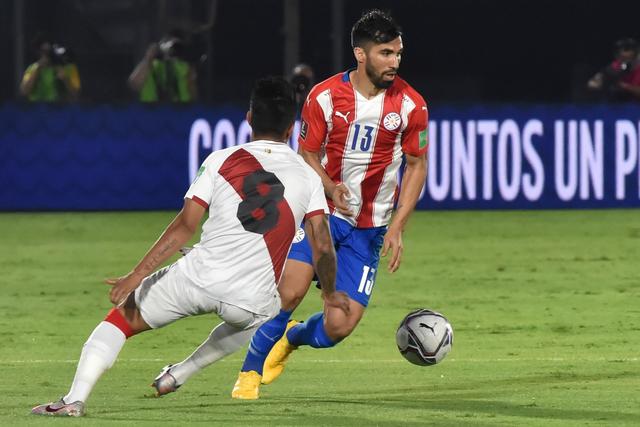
[313,132]
[338,192]
[177,234]
[324,261]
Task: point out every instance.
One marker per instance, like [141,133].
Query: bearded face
[382,62]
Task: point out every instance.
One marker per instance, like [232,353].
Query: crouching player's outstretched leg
[161,299]
[98,355]
[150,301]
[226,338]
[142,301]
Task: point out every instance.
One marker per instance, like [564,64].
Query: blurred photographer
[166,73]
[620,80]
[53,77]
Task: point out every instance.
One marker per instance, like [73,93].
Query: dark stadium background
[536,272]
[456,51]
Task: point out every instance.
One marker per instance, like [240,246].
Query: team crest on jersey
[299,237]
[303,129]
[391,121]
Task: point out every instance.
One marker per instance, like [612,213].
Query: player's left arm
[179,232]
[415,143]
[413,179]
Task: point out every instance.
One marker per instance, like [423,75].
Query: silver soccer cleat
[60,409]
[165,383]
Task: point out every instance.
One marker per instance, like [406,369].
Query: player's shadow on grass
[471,404]
[553,379]
[296,411]
[284,412]
[482,396]
[532,410]
[469,407]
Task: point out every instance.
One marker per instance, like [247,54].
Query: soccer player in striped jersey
[357,127]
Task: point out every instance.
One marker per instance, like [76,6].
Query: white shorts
[167,295]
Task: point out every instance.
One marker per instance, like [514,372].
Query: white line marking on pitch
[384,361]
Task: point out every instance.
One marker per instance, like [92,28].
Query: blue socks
[311,332]
[263,340]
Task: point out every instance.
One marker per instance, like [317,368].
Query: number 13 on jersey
[365,141]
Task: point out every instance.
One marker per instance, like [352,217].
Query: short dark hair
[272,106]
[374,26]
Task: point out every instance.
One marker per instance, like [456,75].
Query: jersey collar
[345,76]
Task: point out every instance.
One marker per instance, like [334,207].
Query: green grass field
[545,308]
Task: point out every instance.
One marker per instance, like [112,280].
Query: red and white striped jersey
[362,141]
[257,194]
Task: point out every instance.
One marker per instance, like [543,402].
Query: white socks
[223,340]
[104,344]
[98,354]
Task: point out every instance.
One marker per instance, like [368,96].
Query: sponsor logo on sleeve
[303,130]
[424,138]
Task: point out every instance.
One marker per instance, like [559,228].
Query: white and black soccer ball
[424,337]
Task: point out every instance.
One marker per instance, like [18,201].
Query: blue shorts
[358,255]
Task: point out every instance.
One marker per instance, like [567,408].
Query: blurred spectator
[53,77]
[302,79]
[620,80]
[166,74]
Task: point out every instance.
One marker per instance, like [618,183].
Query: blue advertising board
[534,157]
[480,157]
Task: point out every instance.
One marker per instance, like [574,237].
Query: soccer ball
[424,337]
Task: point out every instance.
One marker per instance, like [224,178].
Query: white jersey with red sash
[257,194]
